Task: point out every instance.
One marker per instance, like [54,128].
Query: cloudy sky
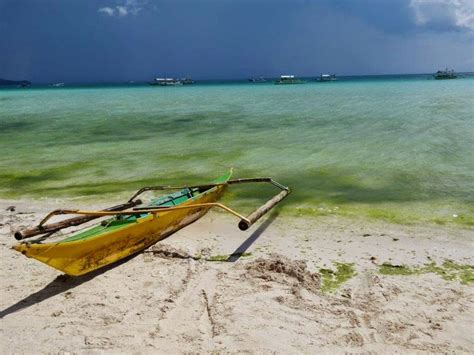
[116,40]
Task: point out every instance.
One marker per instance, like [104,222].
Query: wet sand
[212,288]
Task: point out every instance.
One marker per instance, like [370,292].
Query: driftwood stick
[71,222]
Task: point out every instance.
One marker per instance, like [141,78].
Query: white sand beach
[183,296]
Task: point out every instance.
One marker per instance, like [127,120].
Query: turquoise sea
[393,147]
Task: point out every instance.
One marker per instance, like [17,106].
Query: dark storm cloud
[116,40]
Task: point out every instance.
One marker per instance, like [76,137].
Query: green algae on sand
[404,214]
[332,280]
[228,257]
[448,270]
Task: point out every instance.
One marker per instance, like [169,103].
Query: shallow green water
[399,149]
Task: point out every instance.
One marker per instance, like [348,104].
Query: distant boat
[166,82]
[56,85]
[17,83]
[327,77]
[445,74]
[289,79]
[258,80]
[187,81]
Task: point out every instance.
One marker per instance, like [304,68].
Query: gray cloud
[444,13]
[127,7]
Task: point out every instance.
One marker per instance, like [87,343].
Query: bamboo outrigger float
[132,228]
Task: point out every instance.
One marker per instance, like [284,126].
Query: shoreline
[406,214]
[275,288]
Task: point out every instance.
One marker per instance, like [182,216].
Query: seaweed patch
[332,280]
[448,270]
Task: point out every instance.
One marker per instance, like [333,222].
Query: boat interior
[121,221]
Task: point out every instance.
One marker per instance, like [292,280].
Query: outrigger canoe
[131,230]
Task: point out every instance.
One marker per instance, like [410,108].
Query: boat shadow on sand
[60,284]
[63,283]
[242,248]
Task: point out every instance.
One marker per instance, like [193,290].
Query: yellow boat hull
[82,256]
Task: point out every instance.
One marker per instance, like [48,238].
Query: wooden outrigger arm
[244,224]
[229,182]
[150,210]
[71,222]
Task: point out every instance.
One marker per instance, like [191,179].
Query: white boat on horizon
[445,74]
[166,82]
[289,79]
[327,77]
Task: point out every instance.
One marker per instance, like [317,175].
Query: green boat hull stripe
[116,223]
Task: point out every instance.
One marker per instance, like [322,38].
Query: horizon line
[202,79]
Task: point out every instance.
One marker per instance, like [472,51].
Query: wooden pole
[152,210]
[205,186]
[245,224]
[71,222]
